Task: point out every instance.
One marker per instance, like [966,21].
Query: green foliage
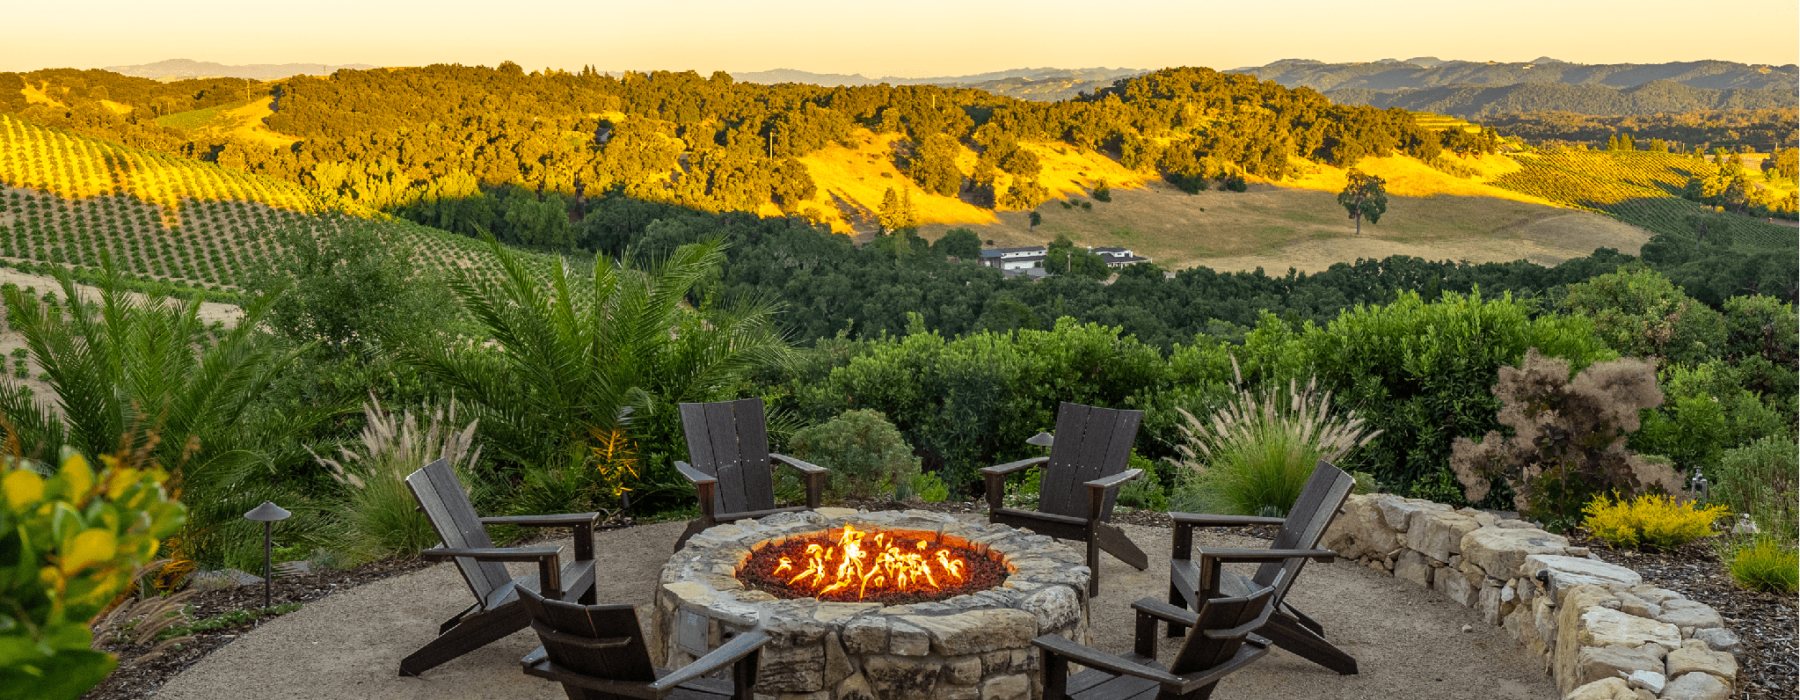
[1145,492]
[69,544]
[381,517]
[156,374]
[865,453]
[960,243]
[928,487]
[1705,411]
[1567,436]
[228,620]
[351,289]
[1062,257]
[1364,197]
[1650,521]
[1254,455]
[1102,192]
[574,365]
[1639,313]
[1365,483]
[1765,565]
[1761,480]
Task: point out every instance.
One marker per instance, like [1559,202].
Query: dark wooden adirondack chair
[1091,448]
[1193,581]
[729,445]
[1221,643]
[597,652]
[496,612]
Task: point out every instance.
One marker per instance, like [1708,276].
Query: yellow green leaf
[22,488]
[90,547]
[78,475]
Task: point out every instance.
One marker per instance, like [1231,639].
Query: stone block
[1602,626]
[1633,605]
[956,692]
[1654,595]
[1500,551]
[1457,585]
[1054,607]
[975,632]
[1604,689]
[1413,566]
[1652,681]
[869,635]
[856,687]
[1718,638]
[1617,661]
[1398,512]
[963,670]
[792,669]
[1689,614]
[1442,533]
[907,639]
[837,663]
[1568,572]
[1688,660]
[1361,531]
[901,676]
[1488,601]
[1697,686]
[1012,687]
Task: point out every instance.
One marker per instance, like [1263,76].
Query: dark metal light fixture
[1040,439]
[268,514]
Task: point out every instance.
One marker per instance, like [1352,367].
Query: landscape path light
[268,514]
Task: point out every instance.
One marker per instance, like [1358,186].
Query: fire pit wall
[970,647]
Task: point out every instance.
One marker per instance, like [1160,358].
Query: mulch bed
[1764,622]
[133,681]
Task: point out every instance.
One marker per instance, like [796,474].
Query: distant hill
[1036,84]
[185,69]
[1430,72]
[1478,101]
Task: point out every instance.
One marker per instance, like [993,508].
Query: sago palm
[572,359]
[137,372]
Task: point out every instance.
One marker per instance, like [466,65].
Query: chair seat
[1096,684]
[537,664]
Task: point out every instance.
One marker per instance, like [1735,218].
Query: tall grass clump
[1763,564]
[1256,452]
[382,519]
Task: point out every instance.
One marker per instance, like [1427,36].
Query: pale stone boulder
[1398,512]
[1568,572]
[1439,534]
[1647,680]
[1654,595]
[1602,626]
[1413,566]
[1718,638]
[901,676]
[1690,614]
[976,631]
[1014,687]
[1687,660]
[1616,661]
[1458,586]
[1361,531]
[1500,551]
[1634,605]
[1605,689]
[1697,686]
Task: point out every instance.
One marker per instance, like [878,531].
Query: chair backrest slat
[1200,652]
[629,663]
[447,507]
[1318,503]
[1091,443]
[729,441]
[753,453]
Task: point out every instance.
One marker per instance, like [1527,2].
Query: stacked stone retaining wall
[1601,631]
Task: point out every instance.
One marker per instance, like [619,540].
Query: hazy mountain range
[184,69]
[1041,84]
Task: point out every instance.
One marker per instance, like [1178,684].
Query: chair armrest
[549,573]
[694,476]
[1010,467]
[493,553]
[1054,644]
[1255,556]
[1217,520]
[1164,611]
[1111,482]
[743,645]
[804,467]
[551,520]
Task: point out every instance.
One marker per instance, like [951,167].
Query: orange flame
[862,562]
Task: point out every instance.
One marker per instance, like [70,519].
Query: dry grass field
[1280,227]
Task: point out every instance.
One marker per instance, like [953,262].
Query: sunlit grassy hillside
[67,199]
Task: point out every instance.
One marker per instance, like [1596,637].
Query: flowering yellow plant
[69,544]
[1650,521]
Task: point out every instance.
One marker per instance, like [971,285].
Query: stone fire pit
[970,647]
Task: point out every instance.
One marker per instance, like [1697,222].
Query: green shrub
[1145,492]
[865,453]
[1103,191]
[381,514]
[1365,483]
[1765,565]
[69,545]
[1760,480]
[1650,521]
[927,486]
[1255,454]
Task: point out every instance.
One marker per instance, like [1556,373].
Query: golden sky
[914,39]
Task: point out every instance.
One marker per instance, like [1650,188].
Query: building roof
[1112,251]
[997,252]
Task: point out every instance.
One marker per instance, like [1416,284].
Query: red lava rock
[764,572]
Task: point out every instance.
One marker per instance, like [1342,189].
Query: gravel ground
[1408,640]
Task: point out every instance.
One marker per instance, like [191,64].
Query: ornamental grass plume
[382,520]
[1256,452]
